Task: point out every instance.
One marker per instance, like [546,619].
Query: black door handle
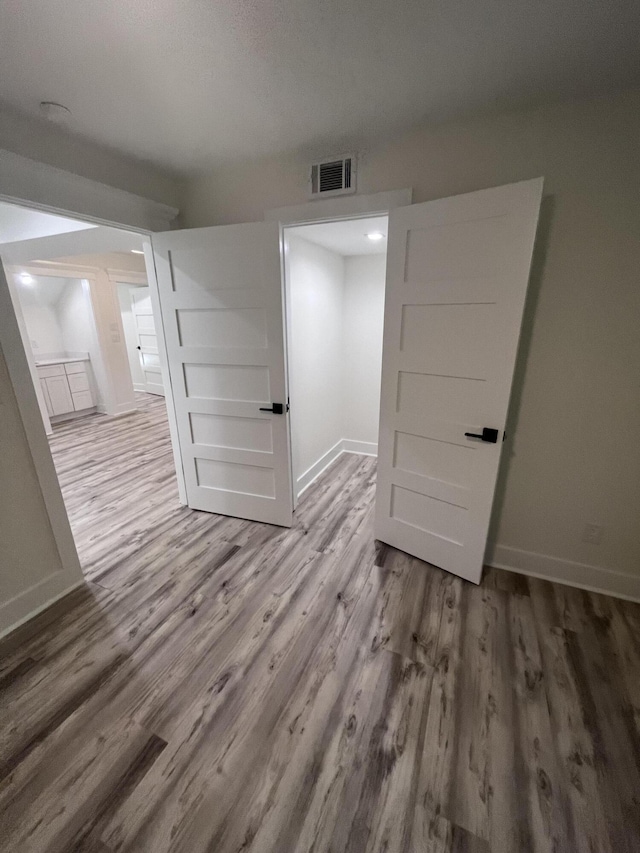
[487,434]
[276,408]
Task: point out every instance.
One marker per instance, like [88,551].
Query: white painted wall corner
[345,445]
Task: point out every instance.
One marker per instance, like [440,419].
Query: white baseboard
[117,414]
[70,416]
[345,445]
[367,448]
[34,600]
[581,575]
[312,473]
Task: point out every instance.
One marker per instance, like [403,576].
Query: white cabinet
[59,395]
[82,400]
[78,382]
[65,387]
[45,394]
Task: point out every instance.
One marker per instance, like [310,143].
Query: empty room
[319,407]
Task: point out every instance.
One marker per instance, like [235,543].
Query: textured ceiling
[191,83]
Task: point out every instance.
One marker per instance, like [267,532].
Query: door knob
[487,434]
[276,408]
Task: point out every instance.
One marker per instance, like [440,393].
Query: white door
[457,273]
[146,340]
[220,293]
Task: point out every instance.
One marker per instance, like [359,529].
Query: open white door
[220,292]
[146,340]
[457,274]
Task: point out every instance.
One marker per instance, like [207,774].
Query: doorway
[64,279]
[455,288]
[141,338]
[335,284]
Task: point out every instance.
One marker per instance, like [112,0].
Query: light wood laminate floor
[228,686]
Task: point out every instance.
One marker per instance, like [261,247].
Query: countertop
[65,360]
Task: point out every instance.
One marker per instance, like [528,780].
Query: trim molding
[366,448]
[347,207]
[52,190]
[311,474]
[131,410]
[581,575]
[52,268]
[345,445]
[127,277]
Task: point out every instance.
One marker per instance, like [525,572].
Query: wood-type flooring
[225,686]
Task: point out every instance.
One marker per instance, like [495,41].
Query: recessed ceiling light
[25,278]
[137,251]
[375,236]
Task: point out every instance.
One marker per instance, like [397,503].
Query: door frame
[37,186]
[313,213]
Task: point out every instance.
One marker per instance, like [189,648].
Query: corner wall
[315,280]
[31,570]
[364,285]
[48,143]
[336,313]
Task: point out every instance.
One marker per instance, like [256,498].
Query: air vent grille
[333,177]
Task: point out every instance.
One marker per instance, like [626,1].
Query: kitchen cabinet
[66,387]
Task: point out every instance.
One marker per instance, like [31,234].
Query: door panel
[221,298]
[147,338]
[59,395]
[457,273]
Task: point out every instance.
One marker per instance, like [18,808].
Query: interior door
[220,293]
[146,340]
[457,273]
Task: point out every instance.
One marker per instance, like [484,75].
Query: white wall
[315,279]
[29,552]
[31,566]
[336,311]
[362,347]
[45,335]
[572,456]
[120,396]
[73,311]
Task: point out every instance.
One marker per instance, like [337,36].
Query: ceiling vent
[333,177]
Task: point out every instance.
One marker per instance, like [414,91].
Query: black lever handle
[487,434]
[276,408]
